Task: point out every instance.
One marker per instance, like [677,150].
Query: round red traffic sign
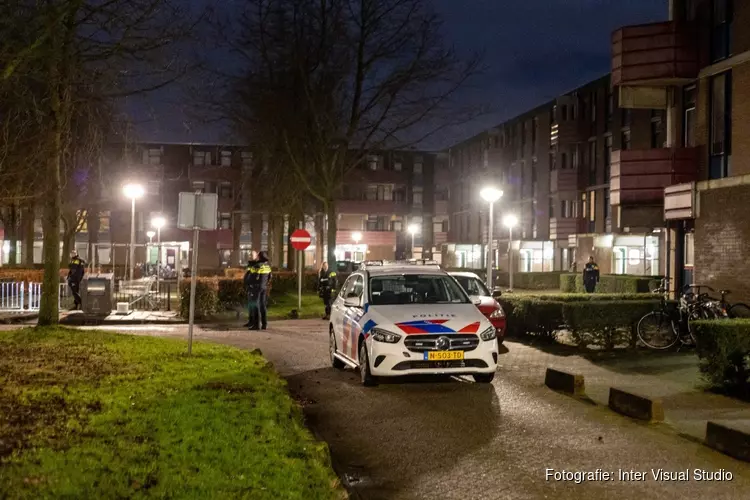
[300,239]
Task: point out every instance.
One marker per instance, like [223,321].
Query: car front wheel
[365,376]
[484,378]
[335,362]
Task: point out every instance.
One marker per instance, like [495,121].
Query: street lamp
[490,195]
[413,229]
[158,223]
[150,235]
[132,191]
[510,222]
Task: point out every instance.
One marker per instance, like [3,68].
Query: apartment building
[695,67]
[385,196]
[555,165]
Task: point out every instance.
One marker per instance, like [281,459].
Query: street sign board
[300,239]
[198,211]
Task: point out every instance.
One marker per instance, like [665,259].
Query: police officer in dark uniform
[590,275]
[326,287]
[258,281]
[76,270]
[246,281]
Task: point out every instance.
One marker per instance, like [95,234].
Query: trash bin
[97,294]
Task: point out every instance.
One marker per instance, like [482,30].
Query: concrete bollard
[636,406]
[729,440]
[565,382]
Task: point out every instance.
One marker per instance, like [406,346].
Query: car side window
[346,286]
[356,288]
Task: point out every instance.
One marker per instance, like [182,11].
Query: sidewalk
[135,317]
[673,377]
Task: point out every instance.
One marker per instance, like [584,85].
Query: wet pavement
[453,439]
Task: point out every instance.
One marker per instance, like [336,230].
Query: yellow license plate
[443,355]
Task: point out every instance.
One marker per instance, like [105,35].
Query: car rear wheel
[335,362]
[365,376]
[484,378]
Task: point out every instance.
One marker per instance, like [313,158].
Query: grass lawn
[279,308]
[86,414]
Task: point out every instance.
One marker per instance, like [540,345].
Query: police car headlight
[385,336]
[497,313]
[488,334]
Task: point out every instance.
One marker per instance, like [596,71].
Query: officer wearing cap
[258,282]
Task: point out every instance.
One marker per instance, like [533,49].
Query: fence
[21,297]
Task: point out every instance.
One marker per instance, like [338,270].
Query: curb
[568,383]
[636,406]
[728,440]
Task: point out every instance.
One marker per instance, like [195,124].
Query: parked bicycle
[737,310]
[671,323]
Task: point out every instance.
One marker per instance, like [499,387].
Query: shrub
[590,297]
[568,282]
[605,323]
[610,283]
[724,350]
[206,298]
[19,275]
[231,293]
[530,315]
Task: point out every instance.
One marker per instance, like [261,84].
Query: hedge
[610,283]
[605,320]
[524,281]
[286,281]
[206,298]
[723,348]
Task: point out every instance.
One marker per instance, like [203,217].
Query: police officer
[326,287]
[76,270]
[246,281]
[590,275]
[259,280]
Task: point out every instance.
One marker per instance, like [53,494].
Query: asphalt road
[454,439]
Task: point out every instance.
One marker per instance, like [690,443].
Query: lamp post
[132,191]
[413,229]
[490,195]
[510,221]
[158,223]
[357,236]
[150,235]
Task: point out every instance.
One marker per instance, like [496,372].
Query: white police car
[395,319]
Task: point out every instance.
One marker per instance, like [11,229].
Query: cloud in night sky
[533,51]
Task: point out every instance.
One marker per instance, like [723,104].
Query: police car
[409,318]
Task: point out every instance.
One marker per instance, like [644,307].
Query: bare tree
[74,51]
[335,79]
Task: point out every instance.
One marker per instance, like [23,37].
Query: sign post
[300,240]
[197,211]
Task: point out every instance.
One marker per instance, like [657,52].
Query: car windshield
[415,289]
[472,286]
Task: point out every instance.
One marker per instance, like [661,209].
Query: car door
[352,326]
[338,310]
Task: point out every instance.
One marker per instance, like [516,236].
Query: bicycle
[734,311]
[666,326]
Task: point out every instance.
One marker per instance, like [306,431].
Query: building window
[385,193]
[607,157]
[593,108]
[656,133]
[625,140]
[574,208]
[373,162]
[442,194]
[574,157]
[247,159]
[397,225]
[720,125]
[397,166]
[152,156]
[438,227]
[688,118]
[226,158]
[418,168]
[225,190]
[551,208]
[104,221]
[553,160]
[564,209]
[201,158]
[417,196]
[584,204]
[153,187]
[564,110]
[592,206]
[689,249]
[199,186]
[721,31]
[563,161]
[371,192]
[225,221]
[372,223]
[553,115]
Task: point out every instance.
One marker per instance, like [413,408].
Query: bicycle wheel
[739,310]
[697,314]
[656,331]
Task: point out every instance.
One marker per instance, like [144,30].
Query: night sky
[534,50]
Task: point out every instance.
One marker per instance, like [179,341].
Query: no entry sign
[300,239]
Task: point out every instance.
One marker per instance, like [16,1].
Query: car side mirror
[352,302]
[497,293]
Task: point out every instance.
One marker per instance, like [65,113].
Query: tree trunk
[291,261]
[48,310]
[236,234]
[11,234]
[320,236]
[68,237]
[330,209]
[28,218]
[279,242]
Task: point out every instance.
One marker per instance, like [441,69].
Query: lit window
[226,158]
[225,221]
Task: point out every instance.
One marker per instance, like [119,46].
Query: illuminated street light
[357,236]
[510,221]
[490,194]
[132,191]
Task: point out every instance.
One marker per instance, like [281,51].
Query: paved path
[459,440]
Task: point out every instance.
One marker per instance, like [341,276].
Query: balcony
[562,228]
[563,180]
[655,55]
[372,207]
[640,176]
[370,238]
